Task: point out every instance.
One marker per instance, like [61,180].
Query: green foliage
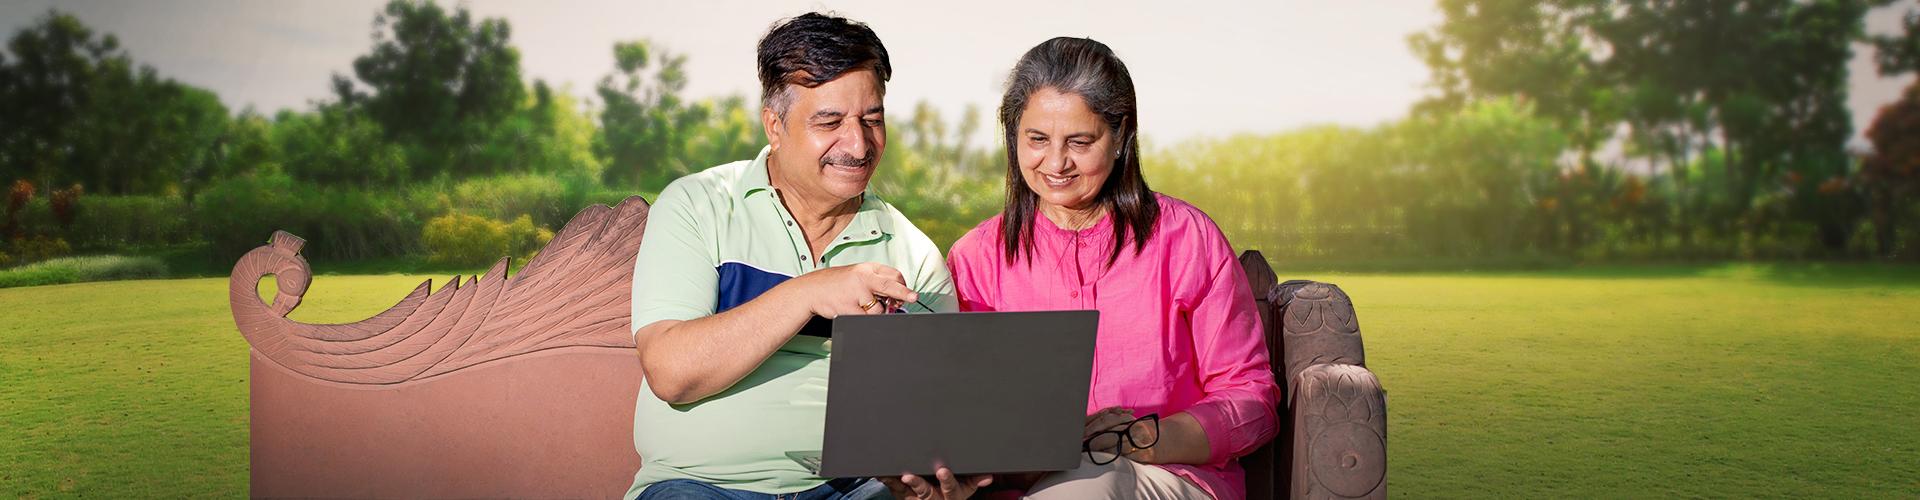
[439,82]
[1762,84]
[650,135]
[336,146]
[1890,177]
[1899,54]
[107,223]
[1465,184]
[1565,129]
[78,110]
[933,175]
[33,249]
[548,135]
[238,214]
[550,200]
[83,269]
[462,239]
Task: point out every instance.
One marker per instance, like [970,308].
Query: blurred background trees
[1563,130]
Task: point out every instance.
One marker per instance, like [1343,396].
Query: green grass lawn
[1726,380]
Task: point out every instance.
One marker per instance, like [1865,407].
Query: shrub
[83,269]
[550,199]
[64,202]
[17,197]
[37,248]
[239,214]
[472,240]
[114,222]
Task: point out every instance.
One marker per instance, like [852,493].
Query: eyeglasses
[1141,433]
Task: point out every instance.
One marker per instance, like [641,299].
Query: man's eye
[827,125]
[875,122]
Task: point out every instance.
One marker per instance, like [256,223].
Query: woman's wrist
[1181,440]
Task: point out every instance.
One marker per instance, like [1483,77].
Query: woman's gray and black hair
[1088,69]
[813,49]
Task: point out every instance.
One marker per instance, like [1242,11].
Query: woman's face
[1065,150]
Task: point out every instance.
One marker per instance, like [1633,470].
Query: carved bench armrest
[1339,433]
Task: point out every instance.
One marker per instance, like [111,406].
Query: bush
[83,269]
[114,222]
[35,249]
[550,199]
[239,214]
[463,239]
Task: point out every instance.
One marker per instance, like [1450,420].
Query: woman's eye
[1037,140]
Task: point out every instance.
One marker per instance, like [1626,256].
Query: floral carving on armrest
[575,293]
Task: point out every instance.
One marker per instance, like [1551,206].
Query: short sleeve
[673,273]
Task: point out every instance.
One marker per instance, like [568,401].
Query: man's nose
[855,141]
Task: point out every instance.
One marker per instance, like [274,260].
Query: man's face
[830,141]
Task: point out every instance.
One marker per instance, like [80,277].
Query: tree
[46,87]
[336,146]
[1758,84]
[548,134]
[78,109]
[1891,175]
[650,134]
[439,81]
[1899,54]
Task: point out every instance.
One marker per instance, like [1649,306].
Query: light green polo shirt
[717,239]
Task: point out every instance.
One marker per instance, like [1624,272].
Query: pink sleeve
[972,273]
[1238,411]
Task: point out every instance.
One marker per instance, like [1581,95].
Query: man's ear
[770,122]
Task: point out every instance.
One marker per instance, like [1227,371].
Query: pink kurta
[1178,329]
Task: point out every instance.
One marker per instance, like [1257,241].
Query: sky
[1202,69]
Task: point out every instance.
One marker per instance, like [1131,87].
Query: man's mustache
[847,160]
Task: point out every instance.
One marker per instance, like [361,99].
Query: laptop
[983,392]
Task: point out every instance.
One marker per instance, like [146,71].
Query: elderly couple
[738,258]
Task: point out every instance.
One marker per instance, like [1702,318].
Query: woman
[1179,336]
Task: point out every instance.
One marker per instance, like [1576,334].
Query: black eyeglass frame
[1124,436]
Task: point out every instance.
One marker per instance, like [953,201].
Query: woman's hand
[1116,419]
[909,486]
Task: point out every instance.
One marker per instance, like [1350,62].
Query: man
[737,259]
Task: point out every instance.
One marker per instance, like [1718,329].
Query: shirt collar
[755,179]
[868,222]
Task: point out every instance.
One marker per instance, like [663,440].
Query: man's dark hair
[813,49]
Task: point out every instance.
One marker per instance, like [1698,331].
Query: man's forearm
[686,361]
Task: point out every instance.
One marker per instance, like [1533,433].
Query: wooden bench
[524,387]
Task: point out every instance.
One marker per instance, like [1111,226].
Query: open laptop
[979,393]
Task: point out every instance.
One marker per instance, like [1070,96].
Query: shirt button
[845,238]
[1073,293]
[873,232]
[789,223]
[803,257]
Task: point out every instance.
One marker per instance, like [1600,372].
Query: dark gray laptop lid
[977,392]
